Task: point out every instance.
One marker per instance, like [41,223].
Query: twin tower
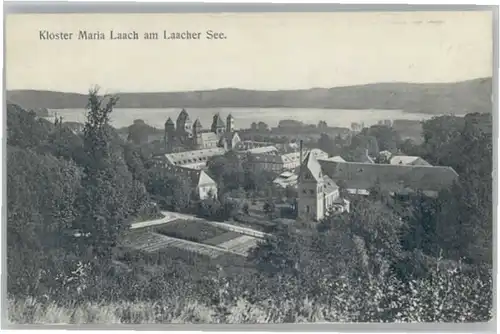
[191,134]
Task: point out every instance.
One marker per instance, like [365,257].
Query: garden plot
[240,245]
[191,230]
[222,238]
[151,242]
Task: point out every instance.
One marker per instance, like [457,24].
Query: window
[311,192]
[308,209]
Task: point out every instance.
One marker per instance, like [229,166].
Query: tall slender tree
[104,199]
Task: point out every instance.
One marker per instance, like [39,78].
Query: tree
[104,200]
[24,129]
[227,170]
[322,125]
[135,162]
[209,208]
[439,133]
[269,207]
[62,142]
[261,126]
[463,216]
[40,212]
[138,133]
[387,138]
[229,208]
[245,208]
[169,190]
[358,146]
[291,192]
[326,144]
[281,253]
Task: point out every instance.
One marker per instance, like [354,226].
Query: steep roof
[286,181]
[195,177]
[263,149]
[169,121]
[266,158]
[217,121]
[311,164]
[408,160]
[394,178]
[319,154]
[291,157]
[337,158]
[330,185]
[295,156]
[197,124]
[183,115]
[195,156]
[271,154]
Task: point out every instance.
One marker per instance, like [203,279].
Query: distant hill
[455,98]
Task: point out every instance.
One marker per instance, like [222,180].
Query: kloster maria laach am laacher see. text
[131,35]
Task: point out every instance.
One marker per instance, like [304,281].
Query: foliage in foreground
[443,297]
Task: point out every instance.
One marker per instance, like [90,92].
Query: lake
[244,117]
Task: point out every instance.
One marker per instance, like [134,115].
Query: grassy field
[32,312]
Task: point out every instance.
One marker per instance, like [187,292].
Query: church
[189,135]
[318,194]
[318,180]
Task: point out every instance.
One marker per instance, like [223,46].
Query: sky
[262,51]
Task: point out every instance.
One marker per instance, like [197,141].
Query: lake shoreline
[244,117]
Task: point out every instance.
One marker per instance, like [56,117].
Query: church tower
[310,190]
[229,123]
[169,135]
[184,125]
[218,126]
[197,127]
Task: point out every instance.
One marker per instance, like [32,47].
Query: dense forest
[71,197]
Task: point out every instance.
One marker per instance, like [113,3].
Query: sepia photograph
[249,168]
